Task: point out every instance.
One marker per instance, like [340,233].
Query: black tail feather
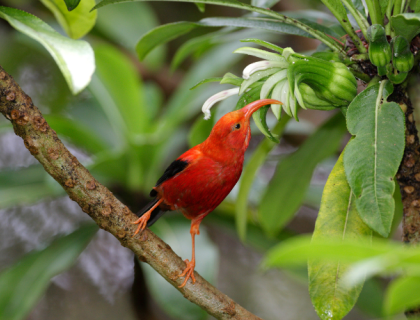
[155,215]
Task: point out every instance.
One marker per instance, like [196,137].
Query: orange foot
[188,272]
[142,222]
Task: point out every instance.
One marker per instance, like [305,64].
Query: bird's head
[232,132]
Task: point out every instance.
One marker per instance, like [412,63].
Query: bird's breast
[201,187]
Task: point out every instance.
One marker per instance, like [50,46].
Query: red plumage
[201,178]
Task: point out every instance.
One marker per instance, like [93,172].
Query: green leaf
[248,176]
[371,160]
[74,57]
[264,44]
[406,25]
[119,89]
[296,251]
[371,299]
[264,3]
[261,122]
[402,294]
[76,21]
[287,188]
[215,79]
[133,19]
[415,5]
[201,7]
[262,23]
[337,221]
[198,44]
[161,35]
[230,78]
[71,4]
[77,133]
[23,284]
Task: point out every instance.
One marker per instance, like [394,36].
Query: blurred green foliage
[130,124]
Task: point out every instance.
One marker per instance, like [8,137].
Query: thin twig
[101,205]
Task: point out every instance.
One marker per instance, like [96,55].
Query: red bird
[201,178]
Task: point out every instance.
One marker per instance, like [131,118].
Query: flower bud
[327,83]
[402,58]
[379,48]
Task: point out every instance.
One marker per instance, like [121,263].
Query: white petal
[271,82]
[276,94]
[262,65]
[222,95]
[285,98]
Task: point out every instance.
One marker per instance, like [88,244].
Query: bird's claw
[142,223]
[188,272]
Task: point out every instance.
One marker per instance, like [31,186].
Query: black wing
[174,168]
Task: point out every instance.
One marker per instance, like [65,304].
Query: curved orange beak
[249,109]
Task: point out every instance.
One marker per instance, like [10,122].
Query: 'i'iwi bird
[201,178]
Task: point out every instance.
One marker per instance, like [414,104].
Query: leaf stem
[360,19]
[339,12]
[359,74]
[360,57]
[375,12]
[388,15]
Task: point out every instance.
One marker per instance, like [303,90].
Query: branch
[101,205]
[408,178]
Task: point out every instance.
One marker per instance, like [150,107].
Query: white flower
[262,65]
[222,95]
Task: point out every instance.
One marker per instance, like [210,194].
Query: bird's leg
[142,221]
[189,270]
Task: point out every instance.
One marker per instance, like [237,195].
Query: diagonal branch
[101,205]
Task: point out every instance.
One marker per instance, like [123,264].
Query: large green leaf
[337,220]
[296,251]
[125,103]
[76,22]
[74,57]
[371,160]
[23,284]
[133,19]
[248,176]
[406,25]
[402,294]
[287,189]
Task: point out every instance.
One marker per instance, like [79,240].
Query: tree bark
[408,178]
[101,205]
[408,175]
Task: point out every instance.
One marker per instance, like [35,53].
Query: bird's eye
[237,126]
